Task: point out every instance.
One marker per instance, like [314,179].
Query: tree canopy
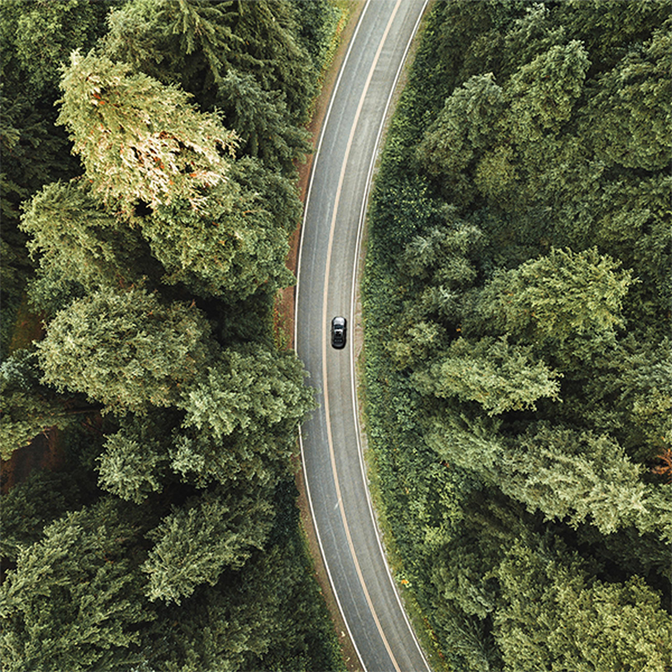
[517,318]
[150,152]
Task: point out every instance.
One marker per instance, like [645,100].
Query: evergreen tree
[240,418]
[29,408]
[557,296]
[196,542]
[567,475]
[140,141]
[230,247]
[630,115]
[125,350]
[134,463]
[499,376]
[80,246]
[553,616]
[74,601]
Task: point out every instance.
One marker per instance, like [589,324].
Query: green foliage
[240,416]
[140,140]
[31,505]
[230,247]
[28,408]
[555,617]
[519,255]
[73,601]
[632,107]
[35,37]
[557,296]
[499,376]
[260,120]
[567,476]
[194,543]
[256,62]
[463,127]
[79,245]
[134,462]
[191,558]
[125,350]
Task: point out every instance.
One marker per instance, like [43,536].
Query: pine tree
[140,141]
[134,463]
[197,541]
[29,408]
[74,600]
[630,116]
[125,350]
[557,297]
[553,616]
[240,418]
[80,246]
[499,376]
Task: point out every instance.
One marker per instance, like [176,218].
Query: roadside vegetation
[149,188]
[517,334]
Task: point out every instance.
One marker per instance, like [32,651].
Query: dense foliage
[168,538]
[517,304]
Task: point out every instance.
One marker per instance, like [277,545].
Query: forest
[517,334]
[150,153]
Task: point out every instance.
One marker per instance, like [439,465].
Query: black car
[338,329]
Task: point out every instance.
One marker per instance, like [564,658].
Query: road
[326,286]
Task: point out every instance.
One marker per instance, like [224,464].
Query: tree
[553,616]
[74,600]
[241,416]
[34,39]
[139,140]
[196,542]
[557,296]
[567,475]
[259,118]
[135,460]
[630,115]
[542,93]
[220,50]
[34,503]
[230,247]
[125,350]
[462,130]
[29,408]
[499,376]
[80,246]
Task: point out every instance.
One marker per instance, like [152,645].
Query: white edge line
[296,332]
[353,299]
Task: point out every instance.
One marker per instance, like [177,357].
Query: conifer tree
[140,141]
[197,541]
[28,407]
[554,616]
[557,296]
[74,600]
[125,350]
[80,246]
[499,376]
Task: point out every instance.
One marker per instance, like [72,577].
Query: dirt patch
[43,452]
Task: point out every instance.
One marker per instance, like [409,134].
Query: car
[339,327]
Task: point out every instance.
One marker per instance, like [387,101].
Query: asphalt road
[327,272]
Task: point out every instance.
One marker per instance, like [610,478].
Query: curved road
[326,279]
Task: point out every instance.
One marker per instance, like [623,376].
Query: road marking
[298,285]
[353,300]
[332,230]
[296,322]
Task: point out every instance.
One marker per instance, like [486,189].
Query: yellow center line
[324,337]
